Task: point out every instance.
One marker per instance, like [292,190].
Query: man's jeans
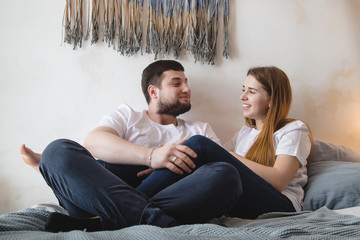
[85,188]
[257,195]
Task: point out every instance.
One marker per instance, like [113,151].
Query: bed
[331,211]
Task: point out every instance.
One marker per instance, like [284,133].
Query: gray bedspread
[320,224]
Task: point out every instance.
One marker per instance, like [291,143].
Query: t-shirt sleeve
[209,133]
[117,119]
[231,143]
[295,142]
[239,142]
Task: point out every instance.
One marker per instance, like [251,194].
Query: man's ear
[153,92]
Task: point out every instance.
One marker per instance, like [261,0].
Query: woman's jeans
[85,188]
[256,195]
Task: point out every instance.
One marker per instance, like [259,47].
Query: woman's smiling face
[255,100]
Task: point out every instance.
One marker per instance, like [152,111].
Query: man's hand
[175,157]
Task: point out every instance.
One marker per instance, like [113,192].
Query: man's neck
[162,119]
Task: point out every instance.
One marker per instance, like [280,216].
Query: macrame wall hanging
[160,27]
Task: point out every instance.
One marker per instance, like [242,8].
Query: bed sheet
[354,211]
[320,224]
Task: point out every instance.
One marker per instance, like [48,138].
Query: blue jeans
[85,188]
[256,195]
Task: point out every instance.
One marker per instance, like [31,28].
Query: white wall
[49,91]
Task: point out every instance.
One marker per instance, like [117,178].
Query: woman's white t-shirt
[293,140]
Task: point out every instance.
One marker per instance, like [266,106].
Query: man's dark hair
[152,74]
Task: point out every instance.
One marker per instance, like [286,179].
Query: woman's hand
[175,157]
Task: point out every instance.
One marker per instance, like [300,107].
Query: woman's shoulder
[238,139]
[295,125]
[245,130]
[245,134]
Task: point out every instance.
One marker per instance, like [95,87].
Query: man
[128,143]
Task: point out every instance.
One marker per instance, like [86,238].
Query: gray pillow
[330,152]
[334,178]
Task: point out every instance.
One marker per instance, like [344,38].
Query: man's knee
[58,153]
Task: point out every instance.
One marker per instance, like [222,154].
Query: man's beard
[173,109]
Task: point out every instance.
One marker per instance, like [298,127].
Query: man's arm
[104,143]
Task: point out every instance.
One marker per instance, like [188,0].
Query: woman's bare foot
[30,158]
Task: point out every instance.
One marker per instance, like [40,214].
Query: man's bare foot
[30,158]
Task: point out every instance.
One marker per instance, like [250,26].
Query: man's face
[174,94]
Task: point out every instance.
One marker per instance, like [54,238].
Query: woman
[270,152]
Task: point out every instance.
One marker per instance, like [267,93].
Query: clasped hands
[175,157]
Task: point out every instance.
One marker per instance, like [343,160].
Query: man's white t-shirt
[138,128]
[293,140]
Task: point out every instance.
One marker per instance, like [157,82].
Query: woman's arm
[280,175]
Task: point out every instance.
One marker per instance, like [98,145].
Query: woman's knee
[197,140]
[224,182]
[225,175]
[223,178]
[201,145]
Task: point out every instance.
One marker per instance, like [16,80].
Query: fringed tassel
[190,26]
[78,27]
[138,33]
[199,30]
[127,26]
[226,7]
[153,38]
[75,21]
[134,30]
[149,27]
[168,31]
[158,19]
[105,19]
[178,40]
[67,22]
[120,27]
[211,32]
[110,21]
[95,20]
[86,19]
